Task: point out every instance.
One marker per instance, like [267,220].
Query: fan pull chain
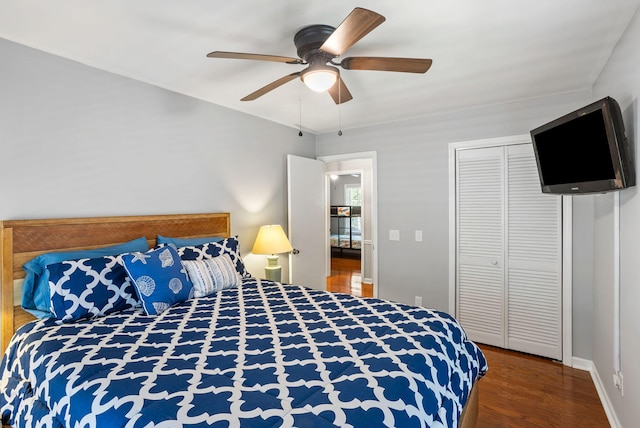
[339,106]
[300,121]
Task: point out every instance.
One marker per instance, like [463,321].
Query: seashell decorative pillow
[159,278]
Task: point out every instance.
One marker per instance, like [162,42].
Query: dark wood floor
[519,390]
[346,277]
[522,390]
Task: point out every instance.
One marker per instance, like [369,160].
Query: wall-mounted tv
[585,151]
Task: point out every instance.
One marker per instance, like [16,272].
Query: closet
[508,269]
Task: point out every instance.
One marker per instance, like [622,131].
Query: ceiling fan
[319,45]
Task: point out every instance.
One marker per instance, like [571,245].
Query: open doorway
[309,216]
[363,164]
[346,220]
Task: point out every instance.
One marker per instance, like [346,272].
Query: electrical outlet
[418,300]
[418,236]
[394,235]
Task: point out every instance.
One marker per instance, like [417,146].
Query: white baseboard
[582,364]
[587,365]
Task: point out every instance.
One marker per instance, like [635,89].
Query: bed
[343,241]
[256,354]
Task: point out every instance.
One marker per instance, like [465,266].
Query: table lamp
[271,240]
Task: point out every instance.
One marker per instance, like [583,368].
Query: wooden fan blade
[258,57]
[355,26]
[339,92]
[270,87]
[406,65]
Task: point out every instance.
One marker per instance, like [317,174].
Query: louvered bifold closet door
[534,259]
[480,244]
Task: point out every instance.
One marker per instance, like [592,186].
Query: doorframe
[373,156]
[567,238]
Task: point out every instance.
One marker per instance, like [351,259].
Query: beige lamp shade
[271,240]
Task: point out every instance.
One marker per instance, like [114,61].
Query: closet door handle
[494,262]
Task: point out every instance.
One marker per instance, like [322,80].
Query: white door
[509,251]
[480,234]
[307,222]
[534,264]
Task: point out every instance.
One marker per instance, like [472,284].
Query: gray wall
[76,142]
[336,193]
[413,195]
[620,80]
[582,323]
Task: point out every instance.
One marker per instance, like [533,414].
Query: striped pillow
[228,246]
[211,275]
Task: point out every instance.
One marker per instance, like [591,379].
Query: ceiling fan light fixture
[319,45]
[320,78]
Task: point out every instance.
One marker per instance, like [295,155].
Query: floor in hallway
[346,277]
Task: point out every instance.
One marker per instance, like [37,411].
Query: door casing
[347,163]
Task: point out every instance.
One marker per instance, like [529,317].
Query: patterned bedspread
[261,355]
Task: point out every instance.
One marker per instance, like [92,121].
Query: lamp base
[272,271]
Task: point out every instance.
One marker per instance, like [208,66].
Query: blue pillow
[184,242]
[36,298]
[159,278]
[89,288]
[214,249]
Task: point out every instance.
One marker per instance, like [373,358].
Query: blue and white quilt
[259,355]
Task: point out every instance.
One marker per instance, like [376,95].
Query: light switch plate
[394,235]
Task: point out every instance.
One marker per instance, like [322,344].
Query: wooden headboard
[22,240]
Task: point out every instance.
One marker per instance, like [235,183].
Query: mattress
[260,355]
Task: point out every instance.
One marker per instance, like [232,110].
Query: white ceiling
[484,52]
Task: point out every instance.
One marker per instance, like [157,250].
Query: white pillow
[212,275]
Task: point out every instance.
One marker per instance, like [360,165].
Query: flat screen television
[585,151]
